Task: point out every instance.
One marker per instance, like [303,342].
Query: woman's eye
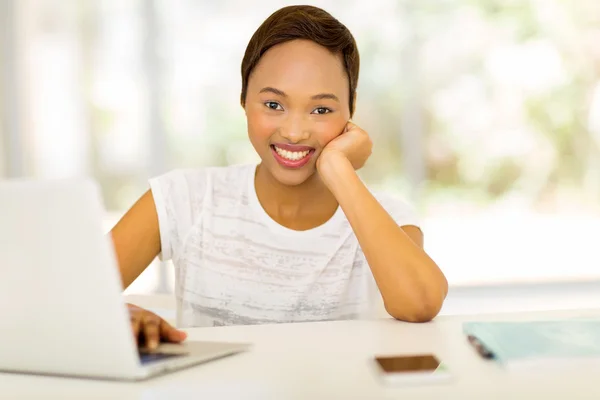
[321,110]
[273,105]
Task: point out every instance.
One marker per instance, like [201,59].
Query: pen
[481,349]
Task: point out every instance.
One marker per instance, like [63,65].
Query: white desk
[329,360]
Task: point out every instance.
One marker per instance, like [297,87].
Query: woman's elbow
[423,310]
[414,314]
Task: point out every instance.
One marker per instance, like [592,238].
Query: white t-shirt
[235,265]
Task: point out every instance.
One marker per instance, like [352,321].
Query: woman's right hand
[149,329]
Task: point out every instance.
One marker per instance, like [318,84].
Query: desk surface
[328,360]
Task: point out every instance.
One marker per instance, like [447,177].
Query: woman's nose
[295,129]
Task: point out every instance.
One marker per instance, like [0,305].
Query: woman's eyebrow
[325,96]
[269,89]
[320,96]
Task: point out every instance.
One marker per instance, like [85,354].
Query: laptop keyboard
[147,358]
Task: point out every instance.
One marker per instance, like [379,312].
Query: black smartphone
[417,368]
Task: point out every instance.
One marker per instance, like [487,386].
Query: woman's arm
[411,284]
[136,238]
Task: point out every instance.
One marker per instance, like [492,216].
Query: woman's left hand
[354,144]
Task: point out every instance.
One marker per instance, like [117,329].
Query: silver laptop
[61,306]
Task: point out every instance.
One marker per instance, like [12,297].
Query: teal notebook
[535,342]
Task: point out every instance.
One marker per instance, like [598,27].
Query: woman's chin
[292,177]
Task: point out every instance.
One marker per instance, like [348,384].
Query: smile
[292,156]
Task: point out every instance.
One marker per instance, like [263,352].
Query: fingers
[170,334]
[135,325]
[151,329]
[349,125]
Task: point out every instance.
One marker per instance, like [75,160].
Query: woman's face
[297,102]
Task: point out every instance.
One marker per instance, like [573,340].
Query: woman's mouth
[292,156]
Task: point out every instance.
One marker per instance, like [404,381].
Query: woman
[298,237]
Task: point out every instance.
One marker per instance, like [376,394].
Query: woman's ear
[243,101]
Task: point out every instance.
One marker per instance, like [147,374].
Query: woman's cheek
[327,135]
[260,126]
[328,138]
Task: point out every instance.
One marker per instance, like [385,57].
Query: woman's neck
[300,207]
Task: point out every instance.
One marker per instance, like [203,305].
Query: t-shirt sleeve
[175,196]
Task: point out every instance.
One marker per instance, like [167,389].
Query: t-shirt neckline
[273,225]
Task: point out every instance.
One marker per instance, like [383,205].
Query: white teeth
[291,155]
